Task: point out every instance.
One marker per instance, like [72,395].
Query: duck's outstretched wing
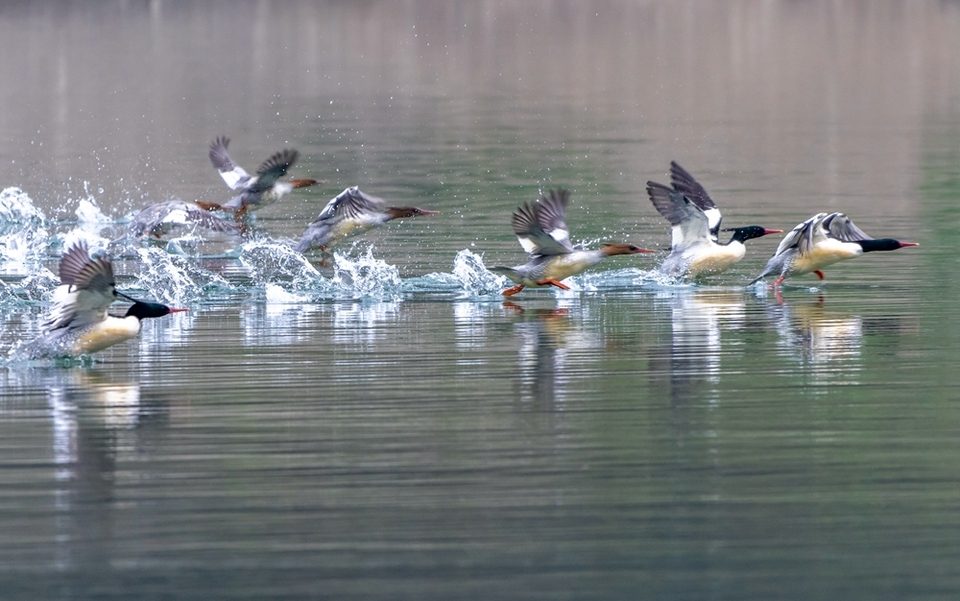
[87,288]
[690,224]
[682,181]
[541,227]
[802,237]
[350,204]
[839,226]
[234,175]
[273,169]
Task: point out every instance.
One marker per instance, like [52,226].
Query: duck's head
[306,182]
[884,244]
[749,232]
[403,212]
[623,249]
[141,309]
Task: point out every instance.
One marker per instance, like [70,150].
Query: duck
[79,323]
[821,241]
[695,249]
[256,191]
[164,218]
[541,228]
[351,213]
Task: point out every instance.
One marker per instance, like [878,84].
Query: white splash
[174,279]
[367,277]
[470,271]
[22,236]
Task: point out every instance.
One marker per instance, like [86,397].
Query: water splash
[22,236]
[276,295]
[367,277]
[270,262]
[470,271]
[90,217]
[174,279]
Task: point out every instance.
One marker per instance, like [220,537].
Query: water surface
[390,427]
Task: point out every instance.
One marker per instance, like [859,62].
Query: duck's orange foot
[512,290]
[779,281]
[559,285]
[819,273]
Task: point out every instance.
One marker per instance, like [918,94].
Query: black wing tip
[223,141]
[657,186]
[283,160]
[555,195]
[523,218]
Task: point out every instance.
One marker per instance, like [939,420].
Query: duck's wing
[541,227]
[690,224]
[232,174]
[350,204]
[683,182]
[273,169]
[802,237]
[87,289]
[839,226]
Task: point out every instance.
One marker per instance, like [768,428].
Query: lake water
[390,427]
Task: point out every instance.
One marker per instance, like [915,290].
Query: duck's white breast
[715,258]
[105,334]
[825,253]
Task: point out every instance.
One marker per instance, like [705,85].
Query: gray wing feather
[90,290]
[273,169]
[690,224]
[350,204]
[839,226]
[541,227]
[682,181]
[800,237]
[232,174]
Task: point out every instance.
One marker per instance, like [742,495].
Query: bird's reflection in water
[827,342]
[550,341]
[363,323]
[274,324]
[470,319]
[95,417]
[691,360]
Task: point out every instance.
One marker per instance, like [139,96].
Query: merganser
[163,218]
[542,230]
[820,241]
[256,191]
[78,322]
[695,249]
[351,213]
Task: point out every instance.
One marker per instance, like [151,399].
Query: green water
[627,439]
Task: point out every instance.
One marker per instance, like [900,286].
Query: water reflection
[362,323]
[269,324]
[552,346]
[827,342]
[95,418]
[691,360]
